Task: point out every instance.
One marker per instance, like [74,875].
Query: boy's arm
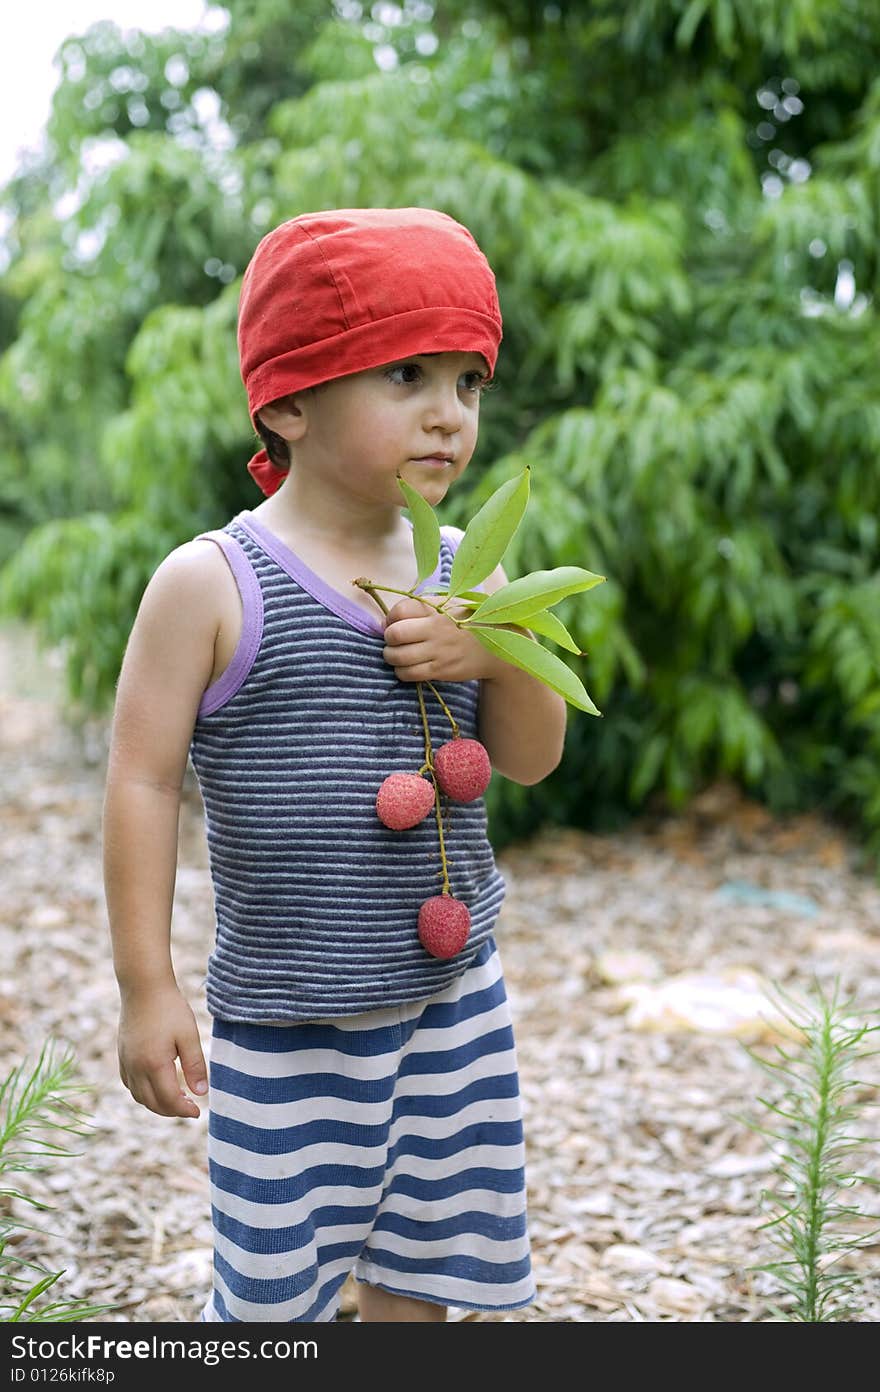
[167,665]
[521,721]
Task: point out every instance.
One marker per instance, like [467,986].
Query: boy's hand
[423,645]
[155,1029]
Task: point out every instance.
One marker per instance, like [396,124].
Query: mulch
[644,970]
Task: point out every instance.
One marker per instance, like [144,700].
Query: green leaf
[535,592]
[33,1293]
[538,662]
[489,533]
[471,596]
[426,531]
[552,627]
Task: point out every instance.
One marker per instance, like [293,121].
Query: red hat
[331,293]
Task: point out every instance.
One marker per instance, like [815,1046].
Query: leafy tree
[679,199]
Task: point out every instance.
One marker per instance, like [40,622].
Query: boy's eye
[411,373]
[474,381]
[405,372]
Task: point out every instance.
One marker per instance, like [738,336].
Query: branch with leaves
[527,601]
[461,768]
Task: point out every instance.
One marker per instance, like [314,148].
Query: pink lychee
[404,800]
[444,925]
[463,769]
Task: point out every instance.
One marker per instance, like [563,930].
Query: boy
[364,1107]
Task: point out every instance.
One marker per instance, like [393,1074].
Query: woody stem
[450,717]
[371,590]
[429,755]
[437,809]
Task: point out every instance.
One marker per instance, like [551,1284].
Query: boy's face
[417,417]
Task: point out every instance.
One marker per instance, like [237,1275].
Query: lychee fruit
[463,769]
[444,925]
[404,800]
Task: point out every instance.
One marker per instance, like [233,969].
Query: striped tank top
[316,901]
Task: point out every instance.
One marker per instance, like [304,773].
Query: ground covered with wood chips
[639,965]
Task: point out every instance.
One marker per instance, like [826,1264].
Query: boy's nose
[444,410]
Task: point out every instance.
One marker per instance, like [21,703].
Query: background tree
[680,201]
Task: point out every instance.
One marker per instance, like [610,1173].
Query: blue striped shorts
[387,1144]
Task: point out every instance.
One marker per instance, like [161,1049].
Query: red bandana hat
[335,292]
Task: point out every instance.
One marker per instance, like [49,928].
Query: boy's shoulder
[198,556]
[194,575]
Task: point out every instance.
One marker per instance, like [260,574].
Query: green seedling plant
[493,620]
[817,1099]
[36,1112]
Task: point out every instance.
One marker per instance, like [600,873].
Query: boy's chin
[429,480]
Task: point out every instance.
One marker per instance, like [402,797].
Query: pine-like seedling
[37,1115]
[815,1106]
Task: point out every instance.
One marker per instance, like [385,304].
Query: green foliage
[527,600]
[816,1098]
[675,196]
[488,534]
[36,1112]
[109,556]
[122,82]
[426,531]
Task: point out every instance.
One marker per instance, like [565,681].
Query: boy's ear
[285,417]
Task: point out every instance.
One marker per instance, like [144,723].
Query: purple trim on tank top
[229,681]
[319,589]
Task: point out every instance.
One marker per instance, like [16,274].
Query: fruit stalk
[438,811]
[373,590]
[461,772]
[448,713]
[429,756]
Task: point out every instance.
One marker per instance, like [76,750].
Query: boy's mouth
[438,460]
